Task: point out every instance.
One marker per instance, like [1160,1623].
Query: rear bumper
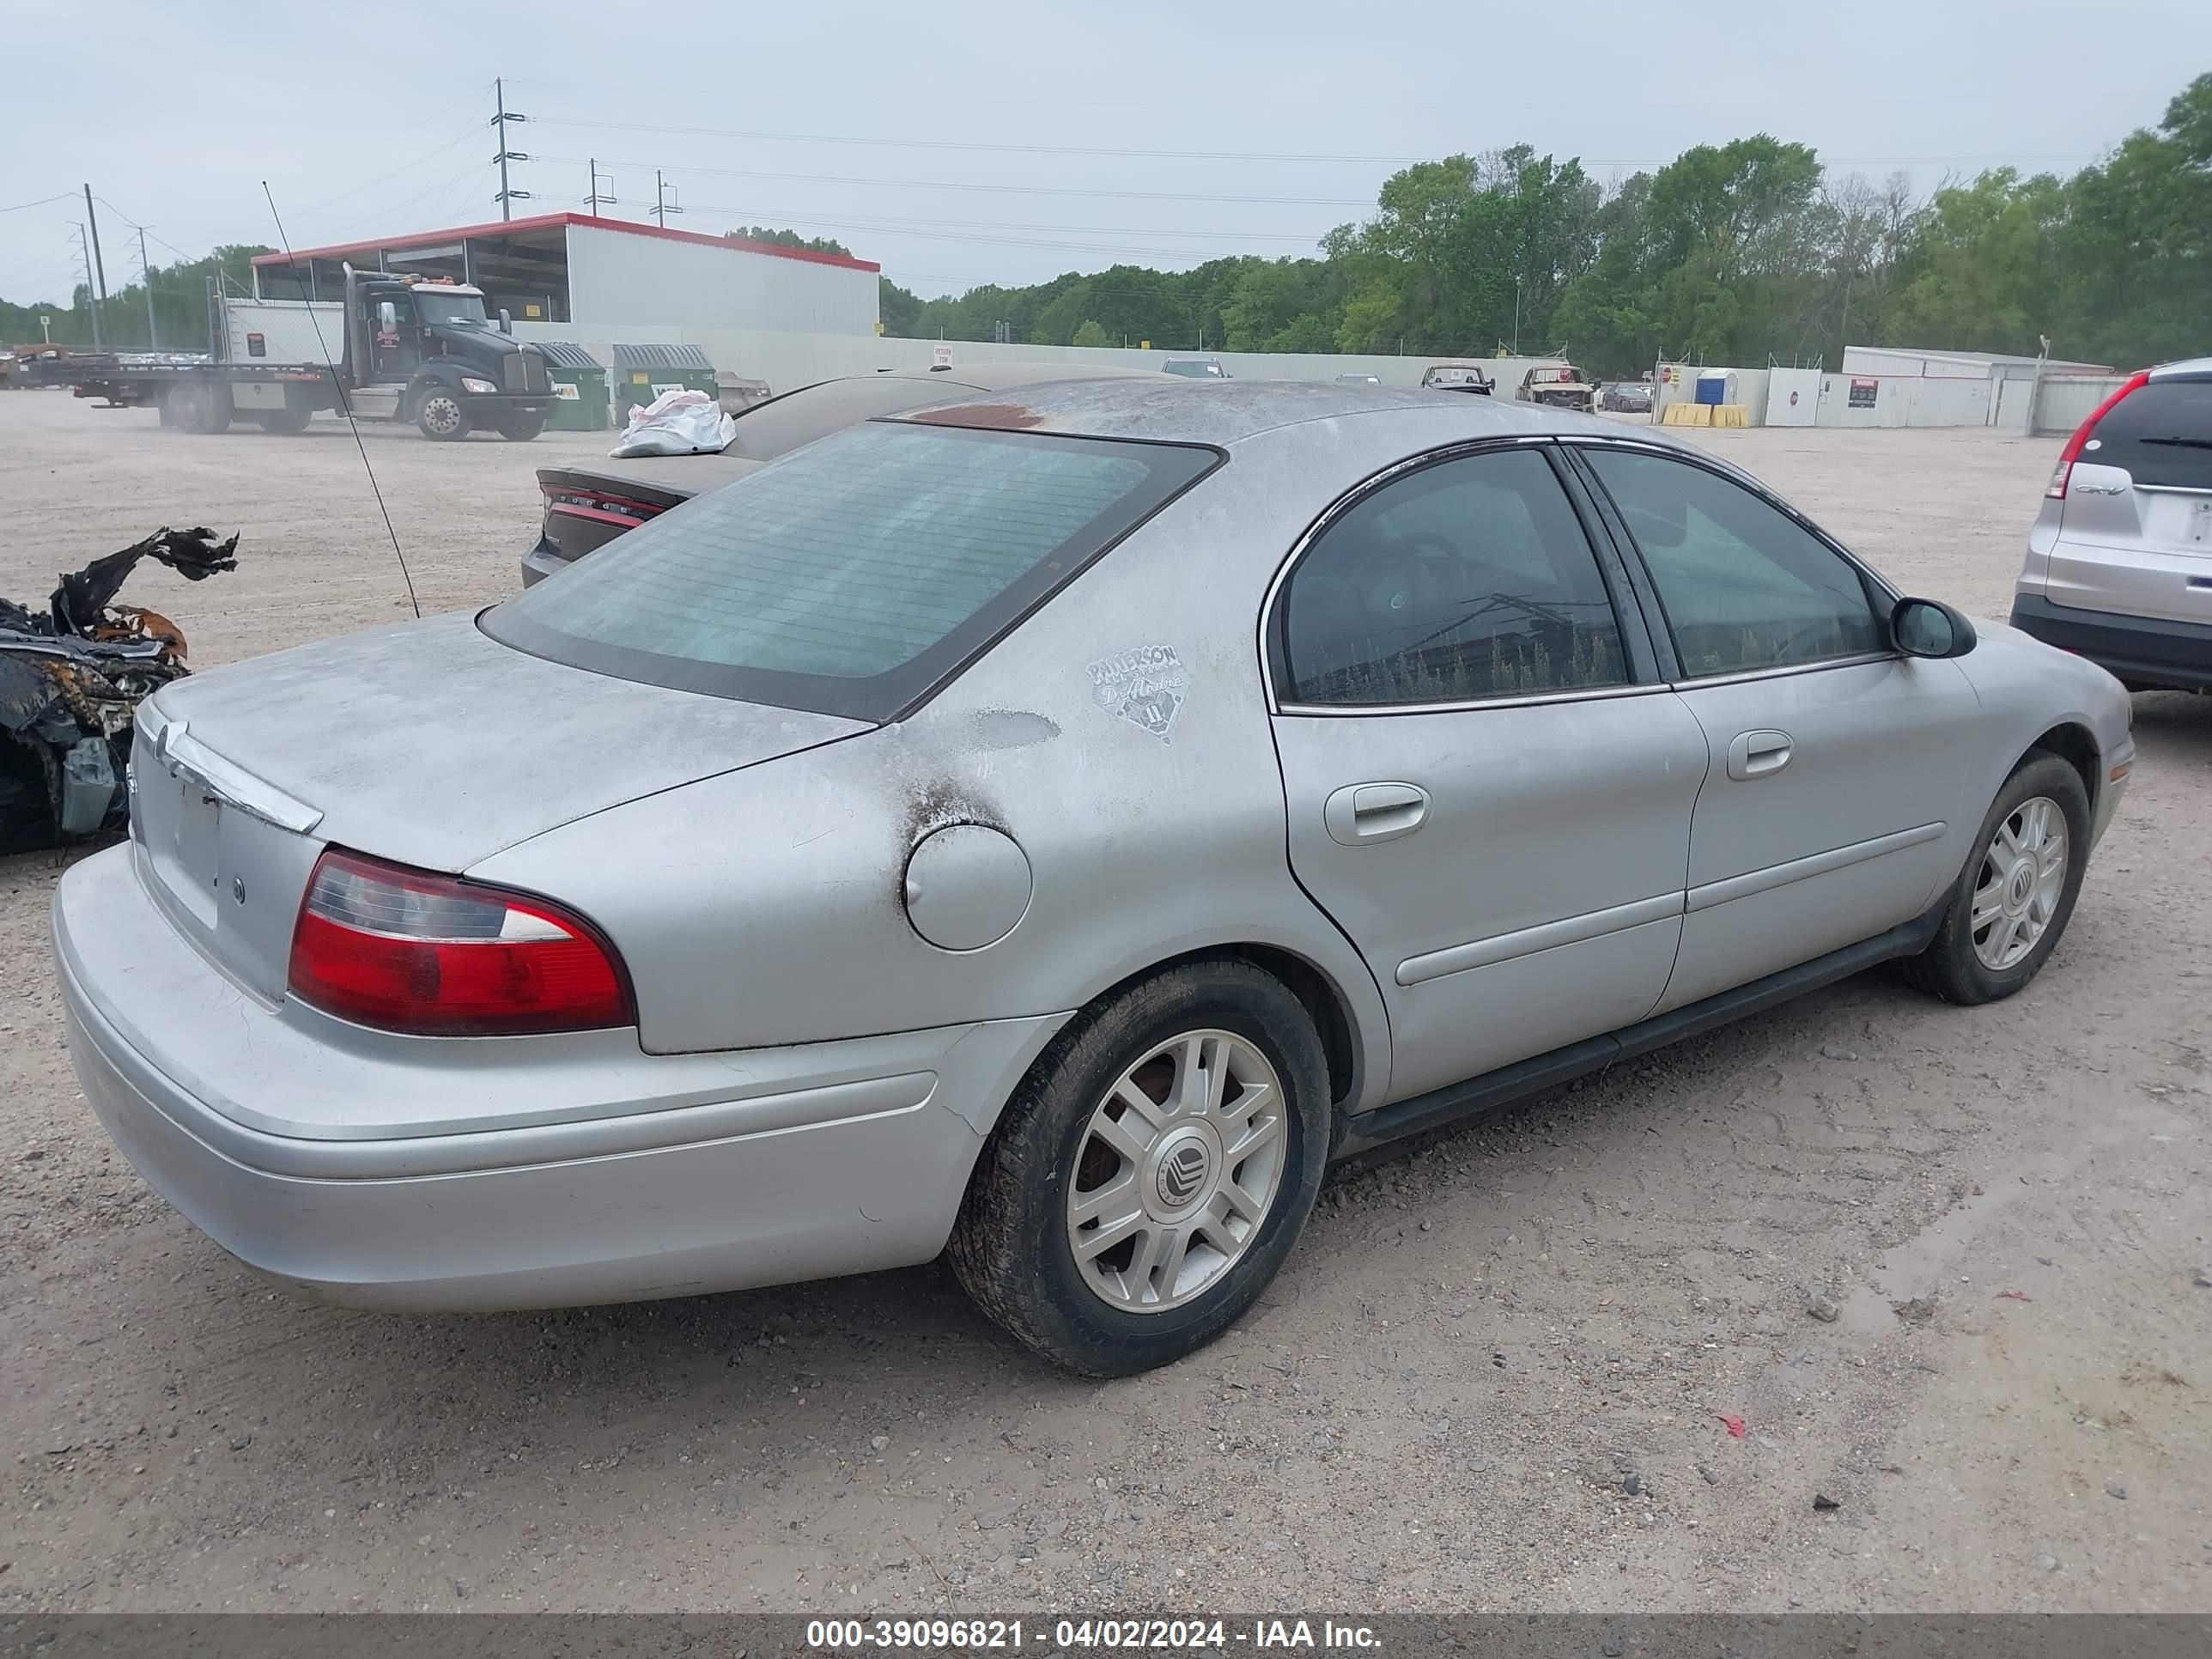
[2141,650]
[541,561]
[802,1162]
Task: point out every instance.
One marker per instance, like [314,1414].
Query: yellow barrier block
[1687,415]
[1732,415]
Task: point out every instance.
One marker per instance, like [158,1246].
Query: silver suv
[2119,562]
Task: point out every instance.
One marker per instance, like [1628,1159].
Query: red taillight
[434,956]
[2056,490]
[581,502]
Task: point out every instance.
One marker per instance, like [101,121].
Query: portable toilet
[1716,386]
[643,372]
[580,383]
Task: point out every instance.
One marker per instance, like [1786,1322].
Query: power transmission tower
[84,264]
[662,207]
[592,200]
[146,276]
[507,194]
[98,268]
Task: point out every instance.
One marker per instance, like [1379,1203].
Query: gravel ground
[1493,1376]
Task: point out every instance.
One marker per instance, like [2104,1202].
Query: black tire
[441,415]
[289,420]
[189,406]
[1951,968]
[1011,1245]
[521,429]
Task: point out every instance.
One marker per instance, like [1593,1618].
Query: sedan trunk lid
[427,743]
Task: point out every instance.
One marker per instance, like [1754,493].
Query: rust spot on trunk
[1000,417]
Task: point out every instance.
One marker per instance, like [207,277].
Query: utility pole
[662,207]
[146,276]
[98,270]
[507,195]
[594,199]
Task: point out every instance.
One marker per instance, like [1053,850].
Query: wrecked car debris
[71,677]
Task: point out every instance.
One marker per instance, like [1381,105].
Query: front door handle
[1757,753]
[1360,814]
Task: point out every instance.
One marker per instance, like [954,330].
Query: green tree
[1090,334]
[1985,265]
[180,306]
[775,238]
[899,308]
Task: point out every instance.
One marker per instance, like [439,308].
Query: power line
[42,201]
[1015,189]
[896,225]
[1108,248]
[1128,154]
[961,144]
[473,131]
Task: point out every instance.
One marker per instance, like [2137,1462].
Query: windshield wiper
[2187,443]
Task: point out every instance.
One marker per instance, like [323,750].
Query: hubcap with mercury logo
[1176,1171]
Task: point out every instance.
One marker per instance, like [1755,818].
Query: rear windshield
[2162,433]
[783,425]
[853,576]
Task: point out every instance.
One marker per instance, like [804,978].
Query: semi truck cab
[427,351]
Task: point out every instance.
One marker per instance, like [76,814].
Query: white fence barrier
[787,361]
[2062,402]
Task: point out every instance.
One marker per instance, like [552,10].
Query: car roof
[1226,411]
[997,377]
[2190,368]
[813,411]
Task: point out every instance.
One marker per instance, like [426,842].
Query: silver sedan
[1048,829]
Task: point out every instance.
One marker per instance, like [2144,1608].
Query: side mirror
[1929,627]
[387,315]
[506,322]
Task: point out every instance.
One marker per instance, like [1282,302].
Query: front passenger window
[1745,586]
[1467,580]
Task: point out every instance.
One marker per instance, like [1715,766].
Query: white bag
[677,423]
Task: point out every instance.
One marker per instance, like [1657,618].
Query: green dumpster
[580,383]
[643,372]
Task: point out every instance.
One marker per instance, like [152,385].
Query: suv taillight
[2056,490]
[430,955]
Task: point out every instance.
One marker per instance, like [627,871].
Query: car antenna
[345,408]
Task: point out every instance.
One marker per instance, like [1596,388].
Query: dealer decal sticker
[1144,685]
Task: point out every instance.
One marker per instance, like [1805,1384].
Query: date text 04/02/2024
[982,1635]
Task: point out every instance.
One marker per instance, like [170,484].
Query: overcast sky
[923,134]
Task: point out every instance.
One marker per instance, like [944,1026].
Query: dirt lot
[1440,1405]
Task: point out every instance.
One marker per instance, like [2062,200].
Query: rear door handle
[1756,754]
[1360,814]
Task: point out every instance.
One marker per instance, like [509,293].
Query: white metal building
[1957,365]
[571,269]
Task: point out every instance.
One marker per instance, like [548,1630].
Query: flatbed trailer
[407,350]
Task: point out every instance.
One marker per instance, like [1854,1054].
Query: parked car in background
[1628,398]
[589,503]
[1557,386]
[791,900]
[2120,561]
[1195,368]
[1451,376]
[1359,380]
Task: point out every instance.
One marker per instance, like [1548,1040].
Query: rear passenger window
[1467,580]
[1745,585]
[2162,433]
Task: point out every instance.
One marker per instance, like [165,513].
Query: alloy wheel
[2017,889]
[1176,1171]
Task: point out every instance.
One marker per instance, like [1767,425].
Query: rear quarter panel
[766,907]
